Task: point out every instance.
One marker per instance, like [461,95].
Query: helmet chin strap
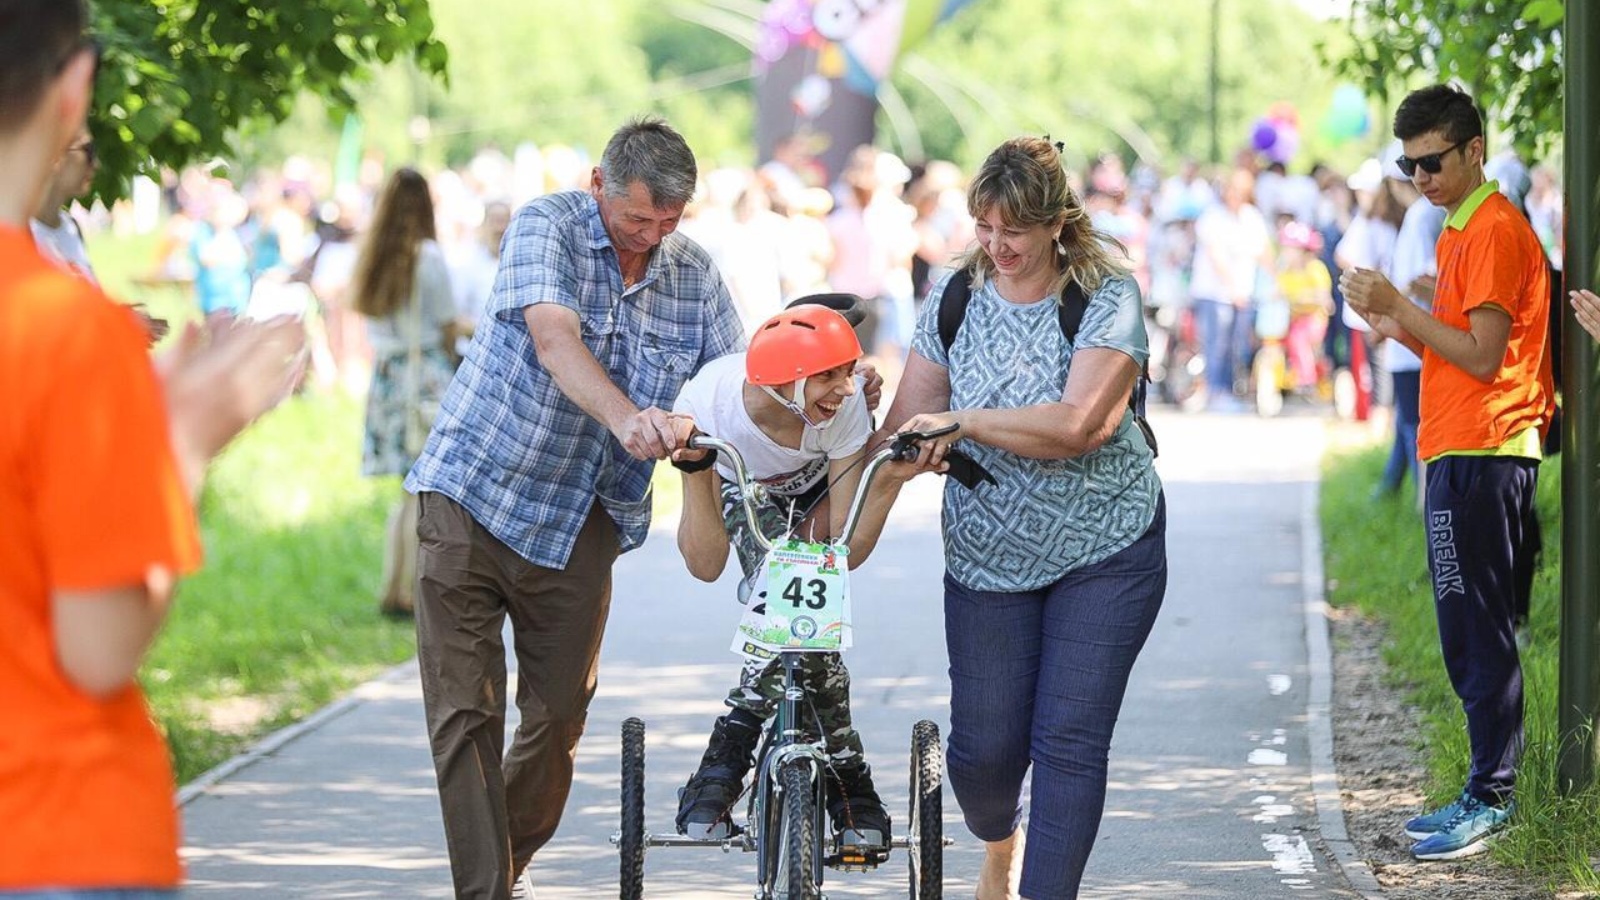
[798,404]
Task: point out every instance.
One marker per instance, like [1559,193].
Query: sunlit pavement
[1210,773]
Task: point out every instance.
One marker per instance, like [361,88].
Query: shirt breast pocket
[660,368]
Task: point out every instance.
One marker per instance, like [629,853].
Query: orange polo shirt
[1489,256]
[90,498]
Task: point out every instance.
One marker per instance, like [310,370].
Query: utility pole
[1215,79]
[1578,712]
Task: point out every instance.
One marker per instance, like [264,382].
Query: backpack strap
[1069,311]
[953,306]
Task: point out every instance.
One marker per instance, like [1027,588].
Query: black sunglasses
[88,151]
[1432,163]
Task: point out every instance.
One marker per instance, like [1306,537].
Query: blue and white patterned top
[508,445]
[1045,517]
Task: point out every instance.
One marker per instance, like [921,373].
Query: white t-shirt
[1239,239]
[715,397]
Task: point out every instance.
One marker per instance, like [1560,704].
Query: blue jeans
[1225,338]
[1403,453]
[1037,678]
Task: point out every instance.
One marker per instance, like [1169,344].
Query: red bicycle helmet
[798,343]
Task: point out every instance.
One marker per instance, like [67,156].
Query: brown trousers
[498,812]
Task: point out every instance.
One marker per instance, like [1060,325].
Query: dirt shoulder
[1380,777]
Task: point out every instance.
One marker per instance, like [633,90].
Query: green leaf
[180,78]
[1544,13]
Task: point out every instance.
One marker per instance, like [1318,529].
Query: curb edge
[1325,793]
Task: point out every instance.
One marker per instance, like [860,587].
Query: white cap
[1366,178]
[891,171]
[1394,151]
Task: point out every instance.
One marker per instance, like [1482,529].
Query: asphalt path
[1211,770]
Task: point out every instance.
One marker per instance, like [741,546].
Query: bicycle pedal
[857,858]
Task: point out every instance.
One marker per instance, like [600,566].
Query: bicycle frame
[787,760]
[785,744]
[787,741]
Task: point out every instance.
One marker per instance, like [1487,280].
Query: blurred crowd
[1238,264]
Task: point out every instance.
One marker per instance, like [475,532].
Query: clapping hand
[1369,292]
[1586,305]
[221,376]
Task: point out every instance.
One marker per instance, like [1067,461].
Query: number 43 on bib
[807,604]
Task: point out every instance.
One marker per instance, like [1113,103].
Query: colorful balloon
[1263,136]
[1285,145]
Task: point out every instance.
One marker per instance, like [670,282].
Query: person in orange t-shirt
[1487,398]
[99,461]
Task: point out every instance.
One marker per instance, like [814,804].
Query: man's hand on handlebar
[652,433]
[683,428]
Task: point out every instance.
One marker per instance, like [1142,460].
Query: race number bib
[806,605]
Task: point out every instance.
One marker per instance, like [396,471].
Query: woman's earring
[1061,249]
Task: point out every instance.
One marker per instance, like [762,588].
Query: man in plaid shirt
[537,476]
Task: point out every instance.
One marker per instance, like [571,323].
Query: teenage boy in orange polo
[1487,398]
[99,462]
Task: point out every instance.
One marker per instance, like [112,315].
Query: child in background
[1304,282]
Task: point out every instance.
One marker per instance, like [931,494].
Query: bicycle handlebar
[903,448]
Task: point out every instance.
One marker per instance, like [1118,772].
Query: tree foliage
[178,78]
[1506,53]
[1130,77]
[547,72]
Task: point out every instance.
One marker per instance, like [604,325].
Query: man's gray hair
[649,150]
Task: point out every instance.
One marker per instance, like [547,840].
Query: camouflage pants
[823,675]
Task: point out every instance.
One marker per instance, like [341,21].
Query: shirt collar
[1458,219]
[598,238]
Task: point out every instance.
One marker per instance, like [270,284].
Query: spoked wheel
[799,862]
[926,850]
[1184,376]
[1268,376]
[1346,393]
[630,841]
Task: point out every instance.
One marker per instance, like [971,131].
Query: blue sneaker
[1429,824]
[1466,833]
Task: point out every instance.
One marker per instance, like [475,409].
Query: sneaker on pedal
[1466,833]
[856,812]
[705,804]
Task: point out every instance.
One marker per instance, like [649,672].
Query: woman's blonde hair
[387,268]
[1024,180]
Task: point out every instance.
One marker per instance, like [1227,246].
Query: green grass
[1376,562]
[283,617]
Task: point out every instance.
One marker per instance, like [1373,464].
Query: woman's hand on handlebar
[933,434]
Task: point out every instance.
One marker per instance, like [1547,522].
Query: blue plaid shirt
[508,445]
